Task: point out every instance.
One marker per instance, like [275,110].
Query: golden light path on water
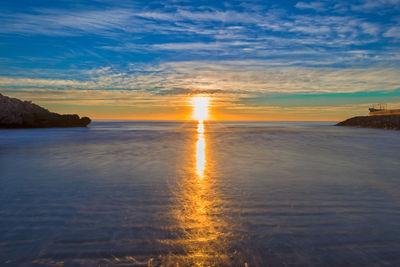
[204,236]
[200,150]
[200,113]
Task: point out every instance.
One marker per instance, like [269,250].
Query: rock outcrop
[15,113]
[391,122]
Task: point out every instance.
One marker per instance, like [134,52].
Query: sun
[200,108]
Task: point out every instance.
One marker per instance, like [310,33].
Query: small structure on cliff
[382,110]
[379,117]
[15,113]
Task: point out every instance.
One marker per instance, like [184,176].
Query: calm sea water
[123,193]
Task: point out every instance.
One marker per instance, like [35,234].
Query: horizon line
[116,119]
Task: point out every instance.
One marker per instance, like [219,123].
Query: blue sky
[256,59]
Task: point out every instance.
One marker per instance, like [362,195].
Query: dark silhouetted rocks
[15,113]
[391,122]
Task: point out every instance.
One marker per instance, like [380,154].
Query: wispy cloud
[377,5]
[66,23]
[317,6]
[393,32]
[233,77]
[217,25]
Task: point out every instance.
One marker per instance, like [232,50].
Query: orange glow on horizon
[205,108]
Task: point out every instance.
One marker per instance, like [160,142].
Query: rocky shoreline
[15,113]
[389,122]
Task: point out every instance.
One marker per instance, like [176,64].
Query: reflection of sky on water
[164,192]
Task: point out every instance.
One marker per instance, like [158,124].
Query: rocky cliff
[391,122]
[15,113]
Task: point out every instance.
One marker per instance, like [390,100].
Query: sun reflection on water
[200,151]
[203,233]
[204,237]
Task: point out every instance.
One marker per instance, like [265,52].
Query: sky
[255,60]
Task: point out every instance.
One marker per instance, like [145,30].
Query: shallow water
[122,193]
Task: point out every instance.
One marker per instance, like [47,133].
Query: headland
[15,113]
[390,122]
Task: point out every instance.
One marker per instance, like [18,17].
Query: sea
[175,193]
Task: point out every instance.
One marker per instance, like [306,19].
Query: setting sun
[200,108]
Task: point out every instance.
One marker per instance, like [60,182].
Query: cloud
[179,32]
[223,77]
[236,26]
[377,6]
[38,83]
[66,23]
[370,28]
[93,97]
[247,86]
[317,6]
[114,20]
[200,46]
[393,32]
